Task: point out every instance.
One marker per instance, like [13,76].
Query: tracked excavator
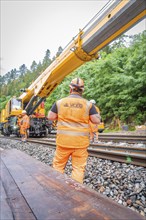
[114,19]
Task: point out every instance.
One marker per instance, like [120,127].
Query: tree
[33,66]
[13,74]
[22,69]
[46,61]
[60,49]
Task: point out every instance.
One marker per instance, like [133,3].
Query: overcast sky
[29,28]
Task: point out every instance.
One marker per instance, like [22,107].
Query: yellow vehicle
[113,20]
[39,124]
[101,127]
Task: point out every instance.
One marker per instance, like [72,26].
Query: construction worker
[73,114]
[93,127]
[24,124]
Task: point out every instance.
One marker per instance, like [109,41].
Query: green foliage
[3,101]
[117,81]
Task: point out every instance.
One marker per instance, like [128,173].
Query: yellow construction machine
[113,20]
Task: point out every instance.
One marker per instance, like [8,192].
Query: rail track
[123,138]
[131,139]
[125,154]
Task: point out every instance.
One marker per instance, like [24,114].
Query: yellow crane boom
[118,16]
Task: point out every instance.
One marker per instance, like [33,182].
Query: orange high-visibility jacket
[25,122]
[94,127]
[73,122]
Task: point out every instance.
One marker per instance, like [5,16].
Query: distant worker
[73,114]
[24,124]
[94,127]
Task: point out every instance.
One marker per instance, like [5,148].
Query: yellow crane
[113,20]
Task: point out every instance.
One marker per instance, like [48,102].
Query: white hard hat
[77,83]
[93,101]
[24,112]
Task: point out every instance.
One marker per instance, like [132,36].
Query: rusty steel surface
[33,190]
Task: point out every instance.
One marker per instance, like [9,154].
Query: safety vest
[25,122]
[73,122]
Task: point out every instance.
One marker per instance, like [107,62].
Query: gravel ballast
[124,183]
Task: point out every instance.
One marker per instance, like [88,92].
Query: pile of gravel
[124,183]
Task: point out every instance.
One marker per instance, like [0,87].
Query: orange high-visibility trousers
[79,160]
[23,133]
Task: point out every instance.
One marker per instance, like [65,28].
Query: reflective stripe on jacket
[73,122]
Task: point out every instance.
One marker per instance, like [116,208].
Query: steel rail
[116,138]
[124,138]
[113,135]
[125,154]
[119,157]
